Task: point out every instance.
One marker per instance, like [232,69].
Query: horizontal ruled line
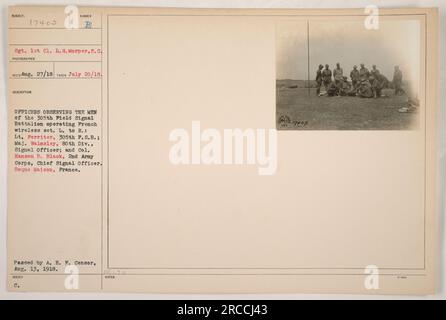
[55,44]
[49,28]
[46,61]
[55,78]
[218,274]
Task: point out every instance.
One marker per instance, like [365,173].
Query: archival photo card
[144,155]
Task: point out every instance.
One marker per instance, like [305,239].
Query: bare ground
[299,108]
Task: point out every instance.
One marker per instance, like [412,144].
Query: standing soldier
[354,75]
[363,73]
[374,72]
[326,77]
[338,73]
[377,85]
[319,79]
[398,81]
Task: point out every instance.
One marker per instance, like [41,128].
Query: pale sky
[396,42]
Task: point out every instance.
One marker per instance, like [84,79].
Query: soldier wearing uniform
[365,89]
[384,80]
[363,73]
[376,83]
[332,90]
[326,77]
[379,83]
[338,73]
[398,81]
[345,87]
[319,79]
[374,72]
[354,75]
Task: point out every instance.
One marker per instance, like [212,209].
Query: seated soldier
[332,90]
[353,91]
[344,87]
[365,89]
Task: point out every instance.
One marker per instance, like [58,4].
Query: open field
[299,108]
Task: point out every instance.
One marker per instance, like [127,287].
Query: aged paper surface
[127,171]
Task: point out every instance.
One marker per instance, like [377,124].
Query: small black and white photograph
[341,75]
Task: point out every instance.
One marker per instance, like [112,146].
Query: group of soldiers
[364,83]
